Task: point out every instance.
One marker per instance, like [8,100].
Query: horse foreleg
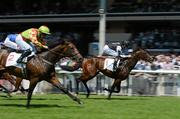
[55,82]
[32,85]
[116,83]
[118,87]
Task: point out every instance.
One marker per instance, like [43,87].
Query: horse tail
[3,56]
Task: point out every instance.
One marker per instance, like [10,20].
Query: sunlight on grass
[54,106]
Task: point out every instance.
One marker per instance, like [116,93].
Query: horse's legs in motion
[32,85]
[84,78]
[8,77]
[87,88]
[117,83]
[6,90]
[54,81]
[16,82]
[85,84]
[18,85]
[77,85]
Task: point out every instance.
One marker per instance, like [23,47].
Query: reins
[59,55]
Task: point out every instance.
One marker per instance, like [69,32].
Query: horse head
[142,54]
[72,52]
[68,49]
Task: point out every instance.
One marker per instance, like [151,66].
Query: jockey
[116,49]
[27,39]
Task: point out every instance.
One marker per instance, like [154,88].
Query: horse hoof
[80,102]
[9,95]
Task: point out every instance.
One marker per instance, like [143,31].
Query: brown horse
[92,66]
[42,67]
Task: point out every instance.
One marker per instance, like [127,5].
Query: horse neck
[132,62]
[51,55]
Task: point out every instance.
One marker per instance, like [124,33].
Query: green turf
[55,106]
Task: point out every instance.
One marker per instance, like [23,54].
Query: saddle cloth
[12,59]
[109,62]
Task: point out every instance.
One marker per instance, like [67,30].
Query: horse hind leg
[77,85]
[6,90]
[87,89]
[78,80]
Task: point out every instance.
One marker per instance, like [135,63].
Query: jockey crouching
[116,49]
[27,40]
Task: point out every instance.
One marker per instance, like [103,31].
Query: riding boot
[115,64]
[24,54]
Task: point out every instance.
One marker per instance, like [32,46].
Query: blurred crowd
[35,7]
[144,6]
[15,7]
[157,38]
[163,61]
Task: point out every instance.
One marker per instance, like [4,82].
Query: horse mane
[139,48]
[58,42]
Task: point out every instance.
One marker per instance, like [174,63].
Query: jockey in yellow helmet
[29,38]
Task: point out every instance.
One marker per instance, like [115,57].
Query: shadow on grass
[118,98]
[11,98]
[38,106]
[5,96]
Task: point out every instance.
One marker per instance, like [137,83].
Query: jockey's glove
[45,47]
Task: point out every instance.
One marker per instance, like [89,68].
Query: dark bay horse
[92,66]
[42,67]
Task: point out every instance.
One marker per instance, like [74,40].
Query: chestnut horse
[92,66]
[42,67]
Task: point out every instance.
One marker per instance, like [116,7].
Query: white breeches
[109,51]
[22,44]
[10,44]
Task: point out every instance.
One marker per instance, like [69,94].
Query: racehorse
[92,66]
[42,67]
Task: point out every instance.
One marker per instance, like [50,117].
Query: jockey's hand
[45,47]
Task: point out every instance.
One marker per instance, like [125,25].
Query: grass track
[53,106]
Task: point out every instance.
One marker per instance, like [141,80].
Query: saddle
[12,58]
[112,63]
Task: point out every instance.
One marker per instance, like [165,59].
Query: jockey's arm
[36,42]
